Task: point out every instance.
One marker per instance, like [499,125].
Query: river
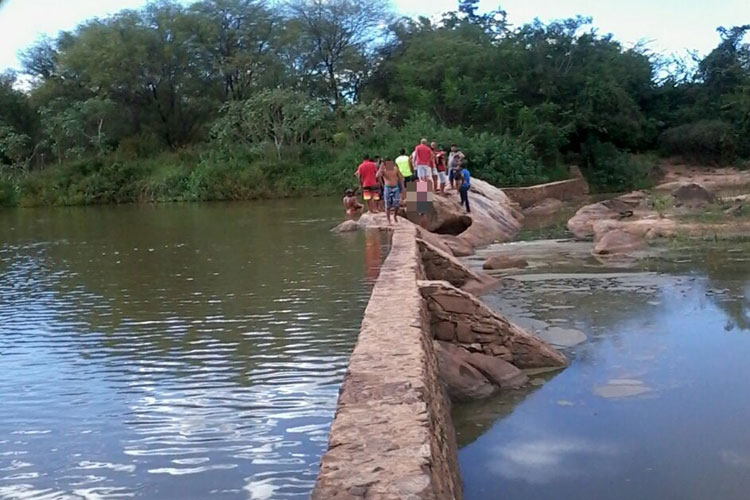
[174,351]
[654,403]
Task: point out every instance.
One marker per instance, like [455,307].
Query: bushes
[610,170]
[705,141]
[8,193]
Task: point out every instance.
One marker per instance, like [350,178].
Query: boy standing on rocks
[393,186]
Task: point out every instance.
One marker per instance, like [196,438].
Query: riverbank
[186,175]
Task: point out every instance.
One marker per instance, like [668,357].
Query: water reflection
[173,351]
[653,403]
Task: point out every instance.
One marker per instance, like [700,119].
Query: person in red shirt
[366,173]
[439,172]
[424,161]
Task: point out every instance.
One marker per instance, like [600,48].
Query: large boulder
[622,207]
[498,371]
[462,381]
[492,218]
[504,262]
[618,241]
[347,226]
[693,195]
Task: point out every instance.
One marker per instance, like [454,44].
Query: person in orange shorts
[367,175]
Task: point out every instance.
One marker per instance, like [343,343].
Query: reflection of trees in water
[727,283]
[258,280]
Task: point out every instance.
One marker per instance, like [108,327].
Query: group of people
[383,181]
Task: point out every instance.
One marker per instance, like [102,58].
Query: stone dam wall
[392,436]
[560,190]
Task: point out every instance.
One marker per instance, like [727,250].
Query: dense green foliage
[237,99]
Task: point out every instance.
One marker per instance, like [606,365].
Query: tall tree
[337,41]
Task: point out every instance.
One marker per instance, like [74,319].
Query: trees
[336,44]
[283,118]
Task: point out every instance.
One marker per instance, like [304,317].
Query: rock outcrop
[504,262]
[622,207]
[460,318]
[492,217]
[618,241]
[693,195]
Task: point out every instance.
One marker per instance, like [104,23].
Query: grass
[176,176]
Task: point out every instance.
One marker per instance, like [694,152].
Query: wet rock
[563,337]
[618,241]
[347,226]
[547,206]
[621,388]
[499,372]
[462,381]
[693,195]
[504,262]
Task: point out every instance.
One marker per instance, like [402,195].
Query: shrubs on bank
[705,141]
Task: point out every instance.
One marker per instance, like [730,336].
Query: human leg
[464,192]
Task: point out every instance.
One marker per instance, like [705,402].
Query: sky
[669,26]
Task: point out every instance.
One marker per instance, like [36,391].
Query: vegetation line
[240,99]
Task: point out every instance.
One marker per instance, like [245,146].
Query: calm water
[655,403]
[177,351]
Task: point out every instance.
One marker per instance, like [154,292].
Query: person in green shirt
[403,162]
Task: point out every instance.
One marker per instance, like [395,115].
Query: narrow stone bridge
[424,338]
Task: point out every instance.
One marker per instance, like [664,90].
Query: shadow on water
[653,404]
[175,351]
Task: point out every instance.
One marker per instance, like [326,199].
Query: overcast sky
[671,26]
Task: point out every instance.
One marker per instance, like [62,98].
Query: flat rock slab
[621,388]
[563,337]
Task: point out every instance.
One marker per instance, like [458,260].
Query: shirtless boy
[351,204]
[394,185]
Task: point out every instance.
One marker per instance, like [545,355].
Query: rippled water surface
[655,403]
[176,351]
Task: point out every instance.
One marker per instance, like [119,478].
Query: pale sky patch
[669,26]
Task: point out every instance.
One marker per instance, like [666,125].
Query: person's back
[402,162]
[367,170]
[423,155]
[465,178]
